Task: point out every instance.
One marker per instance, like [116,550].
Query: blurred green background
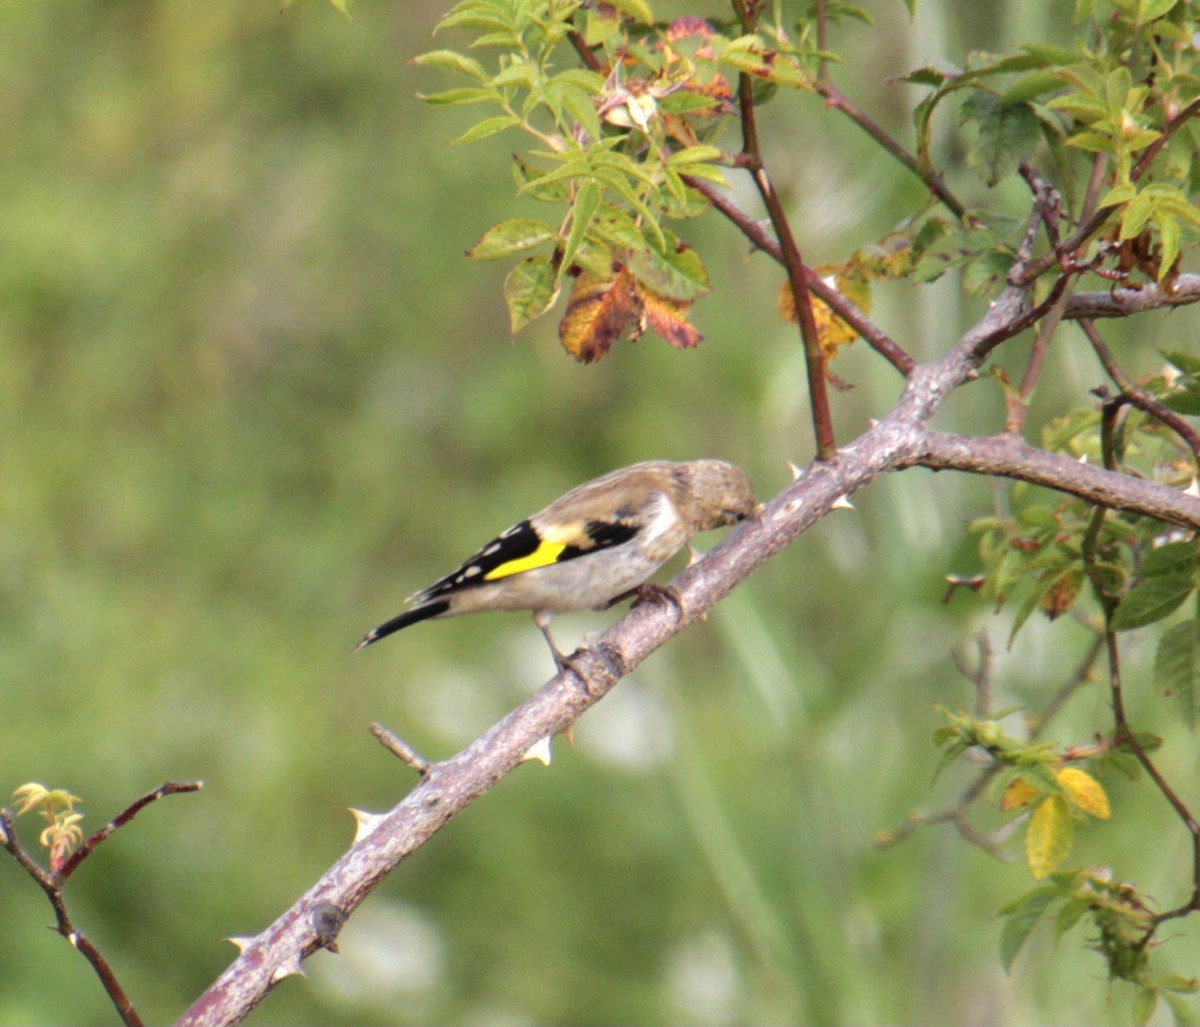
[253,396]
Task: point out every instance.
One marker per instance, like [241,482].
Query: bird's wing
[525,547]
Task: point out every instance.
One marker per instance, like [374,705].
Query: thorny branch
[901,439]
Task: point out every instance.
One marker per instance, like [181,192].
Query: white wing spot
[664,517]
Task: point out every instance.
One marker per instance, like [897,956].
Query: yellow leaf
[1048,838]
[1084,791]
[834,332]
[1018,794]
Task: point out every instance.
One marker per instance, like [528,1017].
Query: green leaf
[1182,1011]
[486,127]
[509,237]
[1189,363]
[1151,600]
[1149,10]
[1070,914]
[529,291]
[1186,401]
[1008,132]
[638,9]
[587,202]
[1020,918]
[1172,558]
[674,271]
[450,60]
[1144,1001]
[694,155]
[459,97]
[1177,668]
[986,273]
[477,14]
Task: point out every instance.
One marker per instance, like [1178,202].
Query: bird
[589,549]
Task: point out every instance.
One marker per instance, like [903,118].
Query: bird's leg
[567,663]
[646,591]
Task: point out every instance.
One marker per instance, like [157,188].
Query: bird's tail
[420,613]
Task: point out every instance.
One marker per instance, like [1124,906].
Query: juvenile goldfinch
[589,549]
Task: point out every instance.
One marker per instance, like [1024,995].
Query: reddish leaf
[598,313]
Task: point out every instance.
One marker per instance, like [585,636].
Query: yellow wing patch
[545,554]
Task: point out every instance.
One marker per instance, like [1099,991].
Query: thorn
[540,750]
[73,938]
[694,554]
[1083,458]
[1193,489]
[289,968]
[796,472]
[240,942]
[365,822]
[841,503]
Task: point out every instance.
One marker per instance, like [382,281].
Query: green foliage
[618,142]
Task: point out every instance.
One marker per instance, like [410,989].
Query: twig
[793,264]
[399,748]
[838,100]
[52,884]
[1139,397]
[753,230]
[1094,223]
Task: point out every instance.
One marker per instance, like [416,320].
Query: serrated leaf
[668,318]
[1084,792]
[1151,600]
[451,60]
[599,311]
[675,271]
[486,127]
[1169,234]
[1122,193]
[458,97]
[1048,837]
[1177,668]
[529,291]
[694,155]
[587,202]
[509,237]
[1020,918]
[1172,558]
[1008,132]
[986,273]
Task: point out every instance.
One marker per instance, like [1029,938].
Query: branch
[900,440]
[1010,456]
[1122,302]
